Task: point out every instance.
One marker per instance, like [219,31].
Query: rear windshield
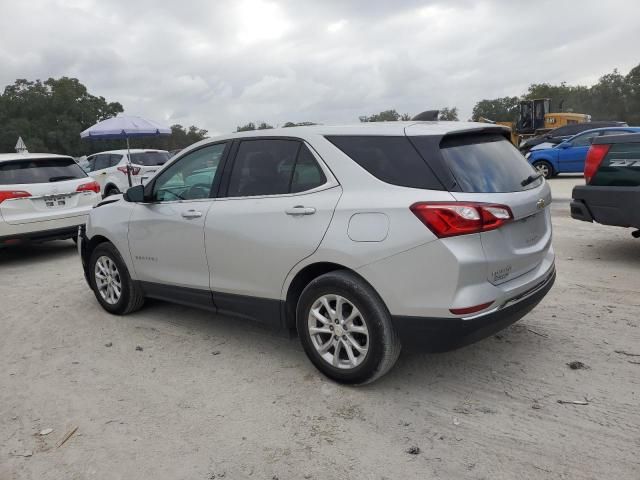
[44,170]
[486,164]
[149,159]
[393,160]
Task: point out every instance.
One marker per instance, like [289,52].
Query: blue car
[569,156]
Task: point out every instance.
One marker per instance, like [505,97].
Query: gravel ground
[175,393]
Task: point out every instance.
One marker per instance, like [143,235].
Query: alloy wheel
[338,331]
[543,168]
[108,280]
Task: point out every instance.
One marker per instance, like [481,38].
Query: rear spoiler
[623,138]
[488,130]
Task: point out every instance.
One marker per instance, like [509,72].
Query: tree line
[49,116]
[614,97]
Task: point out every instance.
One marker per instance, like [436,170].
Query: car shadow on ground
[414,369]
[37,252]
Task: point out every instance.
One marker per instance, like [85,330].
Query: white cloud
[221,64]
[334,27]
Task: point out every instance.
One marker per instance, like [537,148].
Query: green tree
[633,96]
[449,114]
[264,126]
[503,109]
[246,128]
[180,138]
[384,116]
[299,124]
[50,115]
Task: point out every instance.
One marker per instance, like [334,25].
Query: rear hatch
[149,162]
[487,168]
[620,166]
[47,189]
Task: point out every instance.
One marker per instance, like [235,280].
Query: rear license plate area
[56,201]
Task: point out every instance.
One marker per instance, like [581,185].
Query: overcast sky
[219,64]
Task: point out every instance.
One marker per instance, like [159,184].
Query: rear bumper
[40,236]
[617,206]
[442,334]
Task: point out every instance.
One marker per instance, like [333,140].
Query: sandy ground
[211,397]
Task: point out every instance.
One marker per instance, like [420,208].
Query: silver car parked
[362,238]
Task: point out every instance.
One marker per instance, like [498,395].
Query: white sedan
[43,197]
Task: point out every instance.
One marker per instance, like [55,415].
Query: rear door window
[263,167]
[584,139]
[613,132]
[39,171]
[102,161]
[486,164]
[149,159]
[393,160]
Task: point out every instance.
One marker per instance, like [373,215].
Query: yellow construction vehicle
[535,119]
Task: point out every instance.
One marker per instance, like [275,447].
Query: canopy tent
[125,126]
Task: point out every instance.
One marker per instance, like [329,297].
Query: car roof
[605,129]
[364,128]
[5,157]
[133,150]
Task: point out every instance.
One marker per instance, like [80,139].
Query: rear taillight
[10,194]
[595,155]
[133,170]
[89,187]
[461,218]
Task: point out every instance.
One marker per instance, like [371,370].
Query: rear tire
[111,283]
[346,329]
[544,167]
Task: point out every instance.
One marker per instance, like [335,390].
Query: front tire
[544,168]
[111,283]
[111,191]
[345,328]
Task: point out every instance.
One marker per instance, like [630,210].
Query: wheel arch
[301,279]
[86,251]
[109,185]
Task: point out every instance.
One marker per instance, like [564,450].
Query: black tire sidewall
[547,164]
[111,191]
[369,305]
[108,250]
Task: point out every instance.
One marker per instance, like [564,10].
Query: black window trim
[215,186]
[223,192]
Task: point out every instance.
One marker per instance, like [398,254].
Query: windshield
[149,159]
[42,170]
[487,164]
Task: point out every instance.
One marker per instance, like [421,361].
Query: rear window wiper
[530,179]
[62,177]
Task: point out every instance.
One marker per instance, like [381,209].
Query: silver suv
[362,238]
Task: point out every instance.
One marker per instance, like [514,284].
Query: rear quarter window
[44,170]
[149,159]
[391,159]
[486,164]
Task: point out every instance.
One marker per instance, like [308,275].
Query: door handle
[300,210]
[191,214]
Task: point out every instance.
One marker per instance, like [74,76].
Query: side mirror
[564,145]
[134,194]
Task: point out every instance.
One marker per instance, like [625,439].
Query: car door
[99,164]
[572,159]
[275,205]
[166,234]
